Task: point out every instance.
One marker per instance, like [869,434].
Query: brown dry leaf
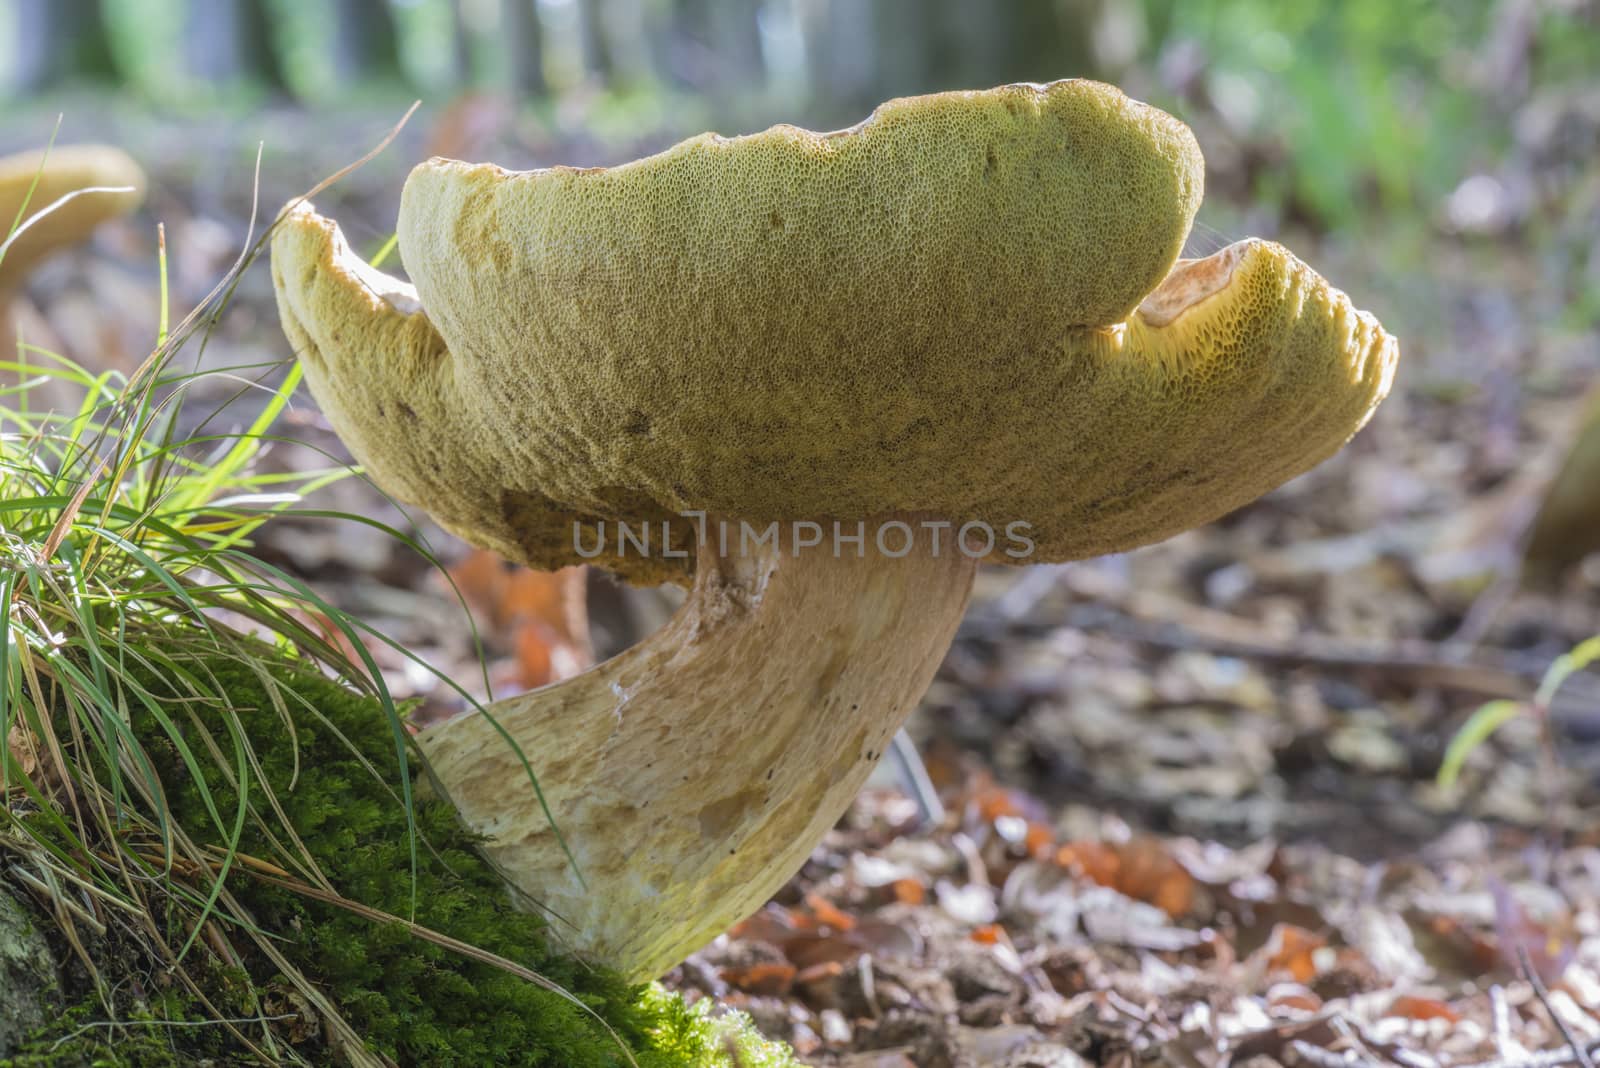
[1142,869]
[1151,874]
[32,757]
[24,748]
[1292,950]
[541,616]
[1095,861]
[1413,1007]
[772,978]
[909,891]
[1455,949]
[826,914]
[302,1025]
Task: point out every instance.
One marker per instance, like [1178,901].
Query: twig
[92,1024]
[1525,963]
[1509,1048]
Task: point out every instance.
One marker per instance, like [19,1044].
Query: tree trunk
[231,40]
[839,41]
[592,41]
[61,41]
[714,44]
[524,42]
[366,43]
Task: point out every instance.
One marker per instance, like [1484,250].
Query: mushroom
[817,378]
[101,182]
[48,201]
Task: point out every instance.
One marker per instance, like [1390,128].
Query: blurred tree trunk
[904,31]
[463,69]
[60,41]
[736,37]
[970,47]
[231,40]
[366,45]
[839,43]
[1043,40]
[715,44]
[592,40]
[524,41]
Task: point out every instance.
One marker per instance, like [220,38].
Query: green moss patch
[324,772]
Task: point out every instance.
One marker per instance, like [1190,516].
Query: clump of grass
[206,783]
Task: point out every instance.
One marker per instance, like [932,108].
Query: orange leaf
[1150,874]
[1291,949]
[1417,1008]
[908,891]
[772,977]
[829,916]
[989,934]
[531,644]
[540,616]
[994,802]
[1095,861]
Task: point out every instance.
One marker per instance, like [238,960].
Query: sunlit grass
[125,558]
[126,529]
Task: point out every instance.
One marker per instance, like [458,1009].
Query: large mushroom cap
[956,308]
[33,181]
[968,308]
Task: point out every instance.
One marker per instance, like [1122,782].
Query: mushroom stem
[693,774]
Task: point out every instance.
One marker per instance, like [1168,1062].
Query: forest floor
[1191,804]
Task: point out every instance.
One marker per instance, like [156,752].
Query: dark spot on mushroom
[383,413]
[991,163]
[775,221]
[408,411]
[638,424]
[719,817]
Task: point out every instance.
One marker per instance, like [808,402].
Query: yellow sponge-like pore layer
[938,311]
[64,170]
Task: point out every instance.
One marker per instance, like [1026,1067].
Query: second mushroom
[817,378]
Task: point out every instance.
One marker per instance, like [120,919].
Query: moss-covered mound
[334,780]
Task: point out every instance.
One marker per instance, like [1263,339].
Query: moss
[77,1039]
[336,782]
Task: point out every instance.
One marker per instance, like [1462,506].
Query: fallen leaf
[1412,1007]
[773,978]
[909,891]
[1292,950]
